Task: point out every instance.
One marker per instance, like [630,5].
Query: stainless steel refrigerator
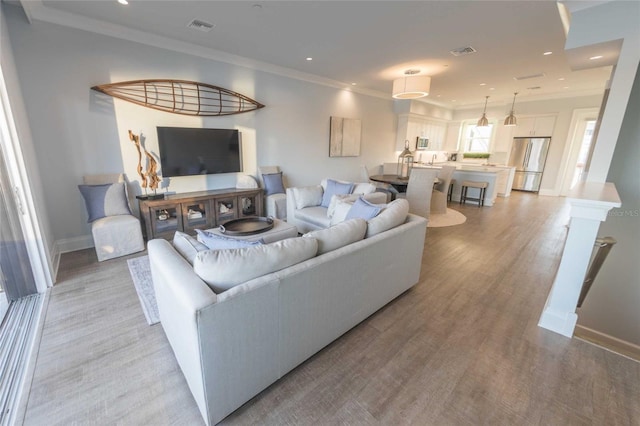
[528,156]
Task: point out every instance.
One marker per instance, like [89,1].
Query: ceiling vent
[461,51]
[527,77]
[199,25]
[534,88]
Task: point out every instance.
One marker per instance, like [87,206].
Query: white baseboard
[549,192]
[605,341]
[67,245]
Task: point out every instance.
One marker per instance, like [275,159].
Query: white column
[590,203]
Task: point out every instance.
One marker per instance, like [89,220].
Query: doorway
[583,124]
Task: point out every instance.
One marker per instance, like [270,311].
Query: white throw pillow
[339,235]
[393,215]
[308,196]
[339,197]
[187,246]
[224,269]
[340,211]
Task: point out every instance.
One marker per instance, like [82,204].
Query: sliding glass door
[16,276]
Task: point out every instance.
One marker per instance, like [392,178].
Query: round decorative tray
[246,226]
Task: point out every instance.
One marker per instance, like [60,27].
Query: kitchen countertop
[466,167]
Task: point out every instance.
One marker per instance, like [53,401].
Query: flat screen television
[186,151]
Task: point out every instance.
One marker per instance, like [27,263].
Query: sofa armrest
[376,197]
[181,295]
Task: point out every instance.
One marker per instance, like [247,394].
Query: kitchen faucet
[433,158]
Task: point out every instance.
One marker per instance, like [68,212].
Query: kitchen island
[499,179]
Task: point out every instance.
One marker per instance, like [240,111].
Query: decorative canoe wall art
[181,97]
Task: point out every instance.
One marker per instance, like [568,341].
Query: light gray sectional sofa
[304,209]
[233,344]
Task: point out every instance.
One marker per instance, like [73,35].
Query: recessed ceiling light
[124,2]
[483,84]
[565,87]
[547,53]
[353,84]
[492,88]
[438,96]
[595,57]
[309,59]
[453,100]
[561,79]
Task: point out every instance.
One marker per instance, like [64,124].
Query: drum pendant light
[411,86]
[483,122]
[511,118]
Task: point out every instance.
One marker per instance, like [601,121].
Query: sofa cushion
[315,215]
[218,242]
[335,187]
[308,196]
[339,197]
[394,214]
[187,246]
[339,235]
[363,209]
[105,200]
[224,269]
[273,183]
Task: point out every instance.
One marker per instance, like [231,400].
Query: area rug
[450,218]
[140,271]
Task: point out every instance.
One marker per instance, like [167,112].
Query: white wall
[77,131]
[563,109]
[612,306]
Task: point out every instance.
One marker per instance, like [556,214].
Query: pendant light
[483,122]
[411,86]
[511,118]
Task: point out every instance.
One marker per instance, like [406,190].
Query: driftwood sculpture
[150,176]
[181,97]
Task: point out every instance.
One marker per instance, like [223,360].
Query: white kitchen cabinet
[541,126]
[410,127]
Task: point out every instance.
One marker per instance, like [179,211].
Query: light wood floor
[460,348]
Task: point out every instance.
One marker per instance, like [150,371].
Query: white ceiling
[364,42]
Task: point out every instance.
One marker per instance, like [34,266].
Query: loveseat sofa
[309,207]
[232,344]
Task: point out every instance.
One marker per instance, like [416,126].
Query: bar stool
[482,186]
[450,190]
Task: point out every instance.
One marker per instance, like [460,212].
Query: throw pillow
[334,187]
[187,246]
[218,242]
[105,200]
[363,209]
[224,269]
[393,215]
[339,235]
[273,183]
[337,198]
[340,211]
[308,196]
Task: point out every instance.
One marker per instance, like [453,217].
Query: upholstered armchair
[274,191]
[116,232]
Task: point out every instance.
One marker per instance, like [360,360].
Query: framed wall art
[344,137]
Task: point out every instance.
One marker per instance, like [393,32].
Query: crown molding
[536,98]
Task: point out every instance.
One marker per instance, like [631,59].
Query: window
[476,139]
